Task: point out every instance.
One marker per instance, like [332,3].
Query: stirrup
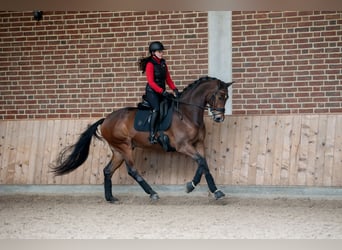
[153,139]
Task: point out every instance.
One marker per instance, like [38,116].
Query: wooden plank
[270,147]
[13,147]
[36,160]
[152,165]
[337,165]
[156,175]
[167,169]
[245,144]
[34,154]
[227,149]
[214,154]
[312,145]
[303,151]
[237,151]
[175,168]
[278,150]
[320,149]
[23,151]
[30,148]
[262,150]
[6,133]
[44,176]
[253,152]
[295,137]
[329,151]
[285,160]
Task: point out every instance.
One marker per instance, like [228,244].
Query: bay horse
[186,135]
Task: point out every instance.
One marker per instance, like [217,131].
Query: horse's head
[217,101]
[206,93]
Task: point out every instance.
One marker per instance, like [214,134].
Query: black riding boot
[154,116]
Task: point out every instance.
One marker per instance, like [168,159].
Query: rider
[157,74]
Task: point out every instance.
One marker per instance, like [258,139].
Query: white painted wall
[220,49]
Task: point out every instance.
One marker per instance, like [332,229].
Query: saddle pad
[142,122]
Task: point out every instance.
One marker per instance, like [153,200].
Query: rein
[206,107]
[177,101]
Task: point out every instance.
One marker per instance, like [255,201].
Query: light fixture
[38,15]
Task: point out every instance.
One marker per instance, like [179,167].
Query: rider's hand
[176,93]
[165,93]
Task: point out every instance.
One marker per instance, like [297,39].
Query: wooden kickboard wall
[281,150]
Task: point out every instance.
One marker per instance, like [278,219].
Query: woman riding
[157,74]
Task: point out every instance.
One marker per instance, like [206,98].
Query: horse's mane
[198,82]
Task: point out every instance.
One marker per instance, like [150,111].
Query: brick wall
[287,62]
[84,64]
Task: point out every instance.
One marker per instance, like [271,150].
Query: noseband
[212,103]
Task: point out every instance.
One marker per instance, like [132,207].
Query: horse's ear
[228,84]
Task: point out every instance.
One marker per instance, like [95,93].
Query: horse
[185,135]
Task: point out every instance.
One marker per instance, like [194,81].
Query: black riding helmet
[154,46]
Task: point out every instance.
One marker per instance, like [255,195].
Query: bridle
[211,107]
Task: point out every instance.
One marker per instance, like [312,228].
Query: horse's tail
[67,162]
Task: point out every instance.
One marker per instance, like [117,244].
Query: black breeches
[154,99]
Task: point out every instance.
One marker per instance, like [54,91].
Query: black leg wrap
[145,186]
[211,183]
[198,175]
[108,185]
[218,194]
[190,186]
[212,187]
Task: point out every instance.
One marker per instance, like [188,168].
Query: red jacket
[150,77]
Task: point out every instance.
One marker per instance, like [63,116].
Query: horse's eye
[222,97]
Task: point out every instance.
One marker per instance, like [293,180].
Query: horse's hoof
[112,199]
[154,197]
[189,187]
[219,194]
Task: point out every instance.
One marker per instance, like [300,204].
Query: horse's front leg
[204,169]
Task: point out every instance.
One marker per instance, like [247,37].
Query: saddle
[143,115]
[143,118]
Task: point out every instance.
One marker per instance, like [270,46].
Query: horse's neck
[194,106]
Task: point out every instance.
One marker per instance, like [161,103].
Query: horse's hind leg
[127,153]
[140,180]
[108,172]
